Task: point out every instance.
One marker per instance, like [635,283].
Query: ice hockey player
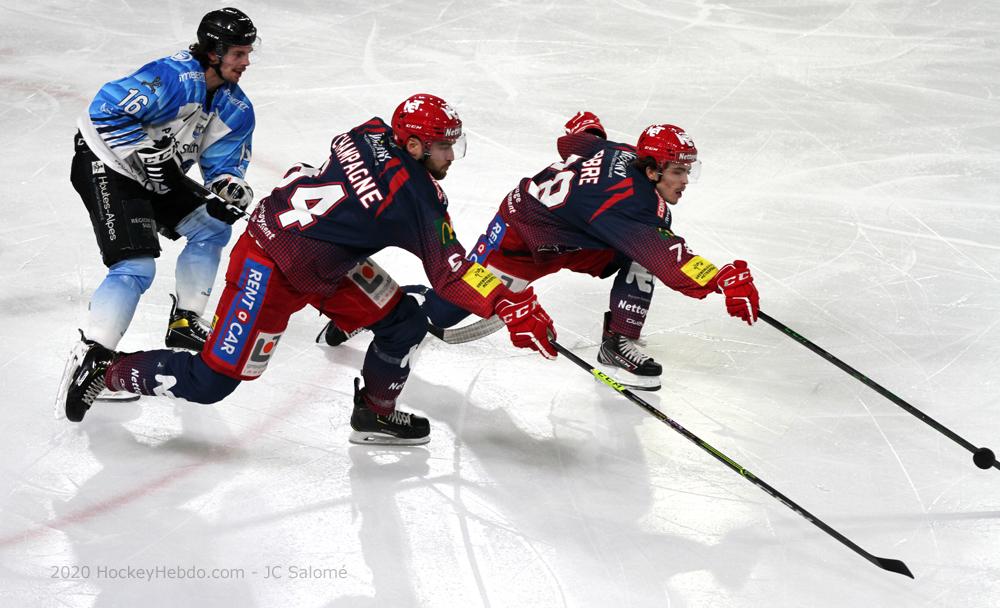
[308,242]
[136,141]
[604,210]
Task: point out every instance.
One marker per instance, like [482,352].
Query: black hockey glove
[233,189]
[161,164]
[223,210]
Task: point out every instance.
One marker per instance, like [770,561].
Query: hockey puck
[984,458]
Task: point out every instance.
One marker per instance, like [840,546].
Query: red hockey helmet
[430,119]
[667,144]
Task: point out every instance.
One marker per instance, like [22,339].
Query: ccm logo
[740,278]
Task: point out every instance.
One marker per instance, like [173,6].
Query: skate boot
[398,428]
[626,363]
[83,377]
[335,336]
[185,329]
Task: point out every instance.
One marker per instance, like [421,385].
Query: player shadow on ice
[134,513]
[585,501]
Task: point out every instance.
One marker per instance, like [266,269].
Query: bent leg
[631,296]
[180,375]
[114,302]
[198,262]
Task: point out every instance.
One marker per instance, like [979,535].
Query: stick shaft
[878,388]
[892,565]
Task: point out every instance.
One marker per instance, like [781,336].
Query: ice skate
[334,336]
[398,428]
[623,361]
[185,329]
[83,378]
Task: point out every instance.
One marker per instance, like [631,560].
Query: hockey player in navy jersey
[138,138]
[309,242]
[604,210]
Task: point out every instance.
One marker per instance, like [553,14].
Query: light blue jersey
[168,96]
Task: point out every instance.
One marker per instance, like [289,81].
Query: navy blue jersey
[318,223]
[595,198]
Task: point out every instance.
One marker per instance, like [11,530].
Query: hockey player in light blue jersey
[136,141]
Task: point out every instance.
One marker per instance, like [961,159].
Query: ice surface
[851,154]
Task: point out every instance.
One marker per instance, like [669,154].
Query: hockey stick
[982,457]
[892,565]
[467,333]
[206,193]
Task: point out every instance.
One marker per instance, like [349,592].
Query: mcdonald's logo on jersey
[445,232]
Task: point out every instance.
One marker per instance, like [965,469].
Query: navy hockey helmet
[223,28]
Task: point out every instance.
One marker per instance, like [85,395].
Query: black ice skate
[626,363]
[398,428]
[334,336]
[83,377]
[185,329]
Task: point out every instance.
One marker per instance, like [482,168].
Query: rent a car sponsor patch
[236,326]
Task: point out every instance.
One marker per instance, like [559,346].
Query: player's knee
[199,228]
[139,271]
[404,327]
[207,385]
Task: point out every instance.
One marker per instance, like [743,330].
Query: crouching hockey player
[308,242]
[604,210]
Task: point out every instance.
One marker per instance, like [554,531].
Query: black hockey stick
[892,565]
[206,194]
[982,457]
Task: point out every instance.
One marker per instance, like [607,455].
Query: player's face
[439,158]
[673,180]
[235,62]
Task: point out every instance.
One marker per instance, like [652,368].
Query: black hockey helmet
[223,28]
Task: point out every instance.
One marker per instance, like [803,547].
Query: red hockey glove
[529,325]
[734,282]
[585,122]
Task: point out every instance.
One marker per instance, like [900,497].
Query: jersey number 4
[310,201]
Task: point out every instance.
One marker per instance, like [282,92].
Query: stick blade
[893,565]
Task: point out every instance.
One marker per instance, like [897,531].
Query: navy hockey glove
[529,325]
[734,282]
[161,165]
[233,189]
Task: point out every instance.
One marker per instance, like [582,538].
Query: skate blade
[630,380]
[110,396]
[368,438]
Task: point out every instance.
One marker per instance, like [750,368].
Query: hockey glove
[223,210]
[585,122]
[233,189]
[734,282]
[529,325]
[161,164]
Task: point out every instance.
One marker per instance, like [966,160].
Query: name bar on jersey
[360,179]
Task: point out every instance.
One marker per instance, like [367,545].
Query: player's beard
[437,171]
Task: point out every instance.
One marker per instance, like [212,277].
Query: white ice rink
[851,154]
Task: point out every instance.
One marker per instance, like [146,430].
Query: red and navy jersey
[596,198]
[318,223]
